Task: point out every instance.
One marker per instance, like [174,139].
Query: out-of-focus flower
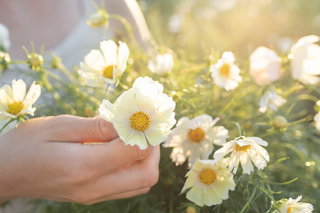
[225,73]
[175,23]
[4,38]
[14,102]
[35,61]
[5,60]
[305,60]
[270,100]
[244,150]
[142,115]
[194,139]
[104,66]
[293,206]
[280,122]
[209,183]
[317,120]
[191,209]
[265,66]
[98,19]
[163,64]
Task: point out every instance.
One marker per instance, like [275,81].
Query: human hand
[45,158]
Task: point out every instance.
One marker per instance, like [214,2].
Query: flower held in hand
[142,115]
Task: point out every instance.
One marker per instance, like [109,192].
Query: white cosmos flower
[225,73]
[208,182]
[294,206]
[15,102]
[305,60]
[163,64]
[270,100]
[265,66]
[142,115]
[104,66]
[244,150]
[194,139]
[4,38]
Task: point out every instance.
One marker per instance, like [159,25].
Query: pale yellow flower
[244,150]
[294,206]
[208,183]
[15,102]
[225,73]
[143,115]
[265,66]
[194,139]
[103,67]
[163,64]
[305,60]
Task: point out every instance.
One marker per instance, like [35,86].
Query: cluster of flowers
[144,115]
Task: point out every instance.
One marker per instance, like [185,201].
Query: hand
[45,158]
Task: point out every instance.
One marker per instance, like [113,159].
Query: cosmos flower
[103,67]
[142,115]
[270,100]
[265,66]
[305,60]
[15,102]
[208,182]
[244,150]
[293,206]
[194,139]
[225,73]
[163,64]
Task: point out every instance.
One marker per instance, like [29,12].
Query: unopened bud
[5,60]
[280,122]
[98,19]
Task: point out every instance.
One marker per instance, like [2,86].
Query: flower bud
[34,60]
[265,66]
[191,209]
[280,122]
[98,19]
[5,60]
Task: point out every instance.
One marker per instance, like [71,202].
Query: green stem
[249,201]
[6,124]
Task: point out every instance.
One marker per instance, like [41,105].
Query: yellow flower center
[225,70]
[207,176]
[242,148]
[196,135]
[107,72]
[15,108]
[140,121]
[289,210]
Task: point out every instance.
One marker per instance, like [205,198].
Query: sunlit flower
[305,61]
[4,38]
[98,19]
[317,120]
[194,139]
[208,182]
[225,73]
[15,102]
[265,66]
[163,64]
[142,115]
[293,206]
[175,23]
[244,150]
[270,100]
[104,66]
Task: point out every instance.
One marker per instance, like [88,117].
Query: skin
[46,158]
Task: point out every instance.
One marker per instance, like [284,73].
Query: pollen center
[207,176]
[289,210]
[225,70]
[242,148]
[107,72]
[15,108]
[140,121]
[196,135]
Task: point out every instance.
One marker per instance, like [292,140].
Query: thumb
[67,128]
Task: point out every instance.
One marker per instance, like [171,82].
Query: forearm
[130,10]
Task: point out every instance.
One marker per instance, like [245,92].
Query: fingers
[133,180]
[67,128]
